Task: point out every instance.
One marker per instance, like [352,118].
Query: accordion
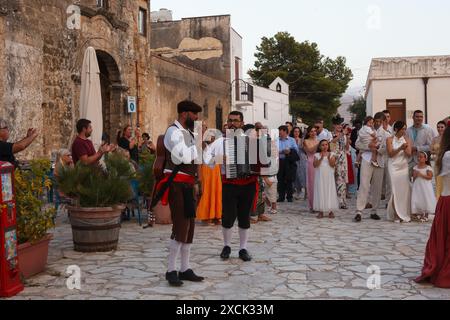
[245,156]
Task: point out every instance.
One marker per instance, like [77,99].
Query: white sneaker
[273,211]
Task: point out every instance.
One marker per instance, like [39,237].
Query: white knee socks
[173,254]
[243,238]
[185,254]
[227,236]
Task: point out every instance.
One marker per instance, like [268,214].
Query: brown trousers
[183,228]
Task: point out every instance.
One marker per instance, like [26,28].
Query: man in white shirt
[421,135]
[371,176]
[387,191]
[387,113]
[238,194]
[322,133]
[181,152]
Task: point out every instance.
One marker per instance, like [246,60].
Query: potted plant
[145,173]
[146,177]
[33,218]
[99,194]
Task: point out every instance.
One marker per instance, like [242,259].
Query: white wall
[438,100]
[277,108]
[236,51]
[410,89]
[413,91]
[369,102]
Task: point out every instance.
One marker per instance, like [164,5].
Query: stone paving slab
[296,256]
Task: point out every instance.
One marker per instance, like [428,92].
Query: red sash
[180,178]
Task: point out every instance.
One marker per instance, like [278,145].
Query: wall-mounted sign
[131,104]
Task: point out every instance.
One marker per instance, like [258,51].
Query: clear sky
[357,29]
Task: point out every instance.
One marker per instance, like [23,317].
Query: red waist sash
[179,178]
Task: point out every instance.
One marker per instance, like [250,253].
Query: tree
[358,109]
[316,82]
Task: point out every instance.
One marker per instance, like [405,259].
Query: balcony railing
[243,93]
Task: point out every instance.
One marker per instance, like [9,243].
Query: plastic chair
[136,203]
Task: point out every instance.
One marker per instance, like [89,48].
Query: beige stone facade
[42,44]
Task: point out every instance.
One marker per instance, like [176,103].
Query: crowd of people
[325,168]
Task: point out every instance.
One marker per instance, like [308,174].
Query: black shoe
[357,218]
[225,255]
[189,275]
[243,254]
[375,217]
[173,279]
[280,200]
[290,200]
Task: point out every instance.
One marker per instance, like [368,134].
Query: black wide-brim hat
[188,106]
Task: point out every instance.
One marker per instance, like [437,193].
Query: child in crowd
[325,194]
[423,200]
[367,135]
[270,192]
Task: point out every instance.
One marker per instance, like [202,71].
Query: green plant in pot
[34,219]
[145,173]
[99,194]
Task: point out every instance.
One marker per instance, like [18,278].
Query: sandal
[320,215]
[331,215]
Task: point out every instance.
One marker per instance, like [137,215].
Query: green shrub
[93,186]
[145,172]
[33,219]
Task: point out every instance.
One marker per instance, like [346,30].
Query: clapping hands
[32,132]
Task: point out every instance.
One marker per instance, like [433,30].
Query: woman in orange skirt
[209,208]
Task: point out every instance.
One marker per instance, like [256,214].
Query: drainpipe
[137,95]
[425,83]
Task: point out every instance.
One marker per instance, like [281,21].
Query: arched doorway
[111,86]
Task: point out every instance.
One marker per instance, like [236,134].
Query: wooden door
[397,108]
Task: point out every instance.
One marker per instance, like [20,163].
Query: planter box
[95,229]
[33,257]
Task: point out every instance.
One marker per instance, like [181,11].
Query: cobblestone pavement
[296,256]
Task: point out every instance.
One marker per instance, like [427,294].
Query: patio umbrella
[91,96]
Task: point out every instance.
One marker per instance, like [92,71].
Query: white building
[270,106]
[403,85]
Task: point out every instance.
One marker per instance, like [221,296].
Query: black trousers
[237,202]
[285,180]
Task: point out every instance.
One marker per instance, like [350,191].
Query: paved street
[295,257]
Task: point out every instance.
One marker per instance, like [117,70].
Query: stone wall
[203,43]
[172,82]
[41,59]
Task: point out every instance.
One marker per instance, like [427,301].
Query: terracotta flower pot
[162,214]
[33,256]
[95,229]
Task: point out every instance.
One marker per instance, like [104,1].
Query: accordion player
[246,155]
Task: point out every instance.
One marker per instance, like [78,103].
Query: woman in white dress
[399,151]
[325,194]
[423,200]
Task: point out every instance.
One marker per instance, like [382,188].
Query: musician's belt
[239,182]
[179,178]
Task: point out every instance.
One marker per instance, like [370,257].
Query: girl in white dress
[423,200]
[399,151]
[325,194]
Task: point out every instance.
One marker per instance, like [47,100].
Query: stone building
[41,53]
[405,84]
[191,59]
[42,45]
